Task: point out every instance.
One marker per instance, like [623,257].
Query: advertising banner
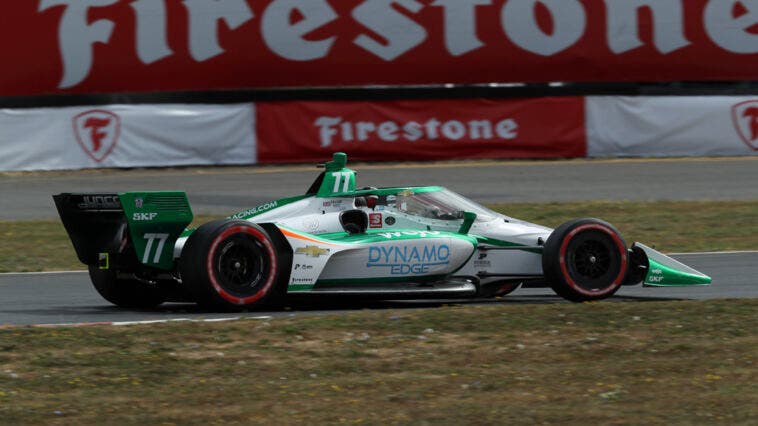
[421,129]
[106,46]
[672,126]
[126,136]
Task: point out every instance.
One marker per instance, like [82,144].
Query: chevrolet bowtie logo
[312,251]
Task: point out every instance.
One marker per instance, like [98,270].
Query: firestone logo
[745,116]
[97,132]
[391,27]
[336,130]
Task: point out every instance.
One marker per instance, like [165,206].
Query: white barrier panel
[672,126]
[126,136]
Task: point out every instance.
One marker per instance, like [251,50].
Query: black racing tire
[585,259]
[234,265]
[123,292]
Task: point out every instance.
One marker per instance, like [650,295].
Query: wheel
[585,259]
[126,293]
[234,265]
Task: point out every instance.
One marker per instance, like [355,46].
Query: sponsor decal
[389,220]
[656,276]
[97,132]
[144,217]
[312,251]
[403,234]
[334,203]
[302,280]
[311,224]
[375,220]
[482,264]
[98,202]
[303,267]
[745,117]
[404,260]
[254,211]
[139,202]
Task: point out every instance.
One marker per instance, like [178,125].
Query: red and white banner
[671,126]
[421,129]
[294,132]
[126,136]
[86,46]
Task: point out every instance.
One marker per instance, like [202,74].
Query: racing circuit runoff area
[63,298]
[521,359]
[655,102]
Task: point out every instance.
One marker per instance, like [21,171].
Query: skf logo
[97,132]
[144,217]
[312,251]
[745,116]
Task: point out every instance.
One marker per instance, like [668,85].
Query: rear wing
[125,230]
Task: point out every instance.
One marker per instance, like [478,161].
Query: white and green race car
[336,240]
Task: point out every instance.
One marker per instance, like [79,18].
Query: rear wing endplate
[102,226]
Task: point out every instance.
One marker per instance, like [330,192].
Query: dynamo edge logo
[97,132]
[404,260]
[745,116]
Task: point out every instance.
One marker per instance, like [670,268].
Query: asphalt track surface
[227,190]
[62,298]
[69,298]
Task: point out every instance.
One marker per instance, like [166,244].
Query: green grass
[596,363]
[666,225]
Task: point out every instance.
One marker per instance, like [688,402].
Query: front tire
[234,265]
[123,292]
[585,259]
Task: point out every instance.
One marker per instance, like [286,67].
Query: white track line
[709,253]
[5,274]
[145,322]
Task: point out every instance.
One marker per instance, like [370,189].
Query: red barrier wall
[86,46]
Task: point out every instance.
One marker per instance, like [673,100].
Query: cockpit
[427,202]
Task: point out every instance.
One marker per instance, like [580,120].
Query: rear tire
[234,265]
[126,293]
[585,259]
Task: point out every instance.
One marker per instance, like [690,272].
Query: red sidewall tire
[566,268]
[210,266]
[211,253]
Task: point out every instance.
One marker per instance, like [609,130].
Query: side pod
[663,271]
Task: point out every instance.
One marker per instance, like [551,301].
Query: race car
[336,240]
